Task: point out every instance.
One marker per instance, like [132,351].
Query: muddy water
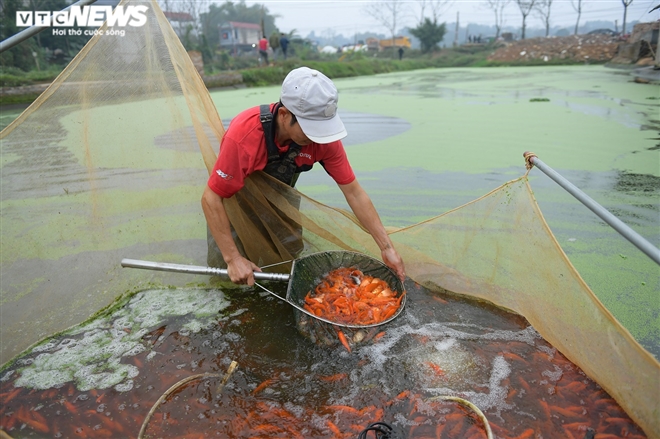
[102,379]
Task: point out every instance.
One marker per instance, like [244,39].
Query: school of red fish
[348,296]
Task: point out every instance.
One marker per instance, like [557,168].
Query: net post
[635,238]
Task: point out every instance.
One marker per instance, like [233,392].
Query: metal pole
[33,30]
[196,269]
[635,238]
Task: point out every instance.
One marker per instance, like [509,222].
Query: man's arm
[240,270]
[366,213]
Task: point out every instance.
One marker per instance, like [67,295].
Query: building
[239,37]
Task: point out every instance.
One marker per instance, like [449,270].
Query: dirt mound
[575,47]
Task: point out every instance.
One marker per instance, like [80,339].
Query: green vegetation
[14,77]
[430,33]
[339,65]
[43,52]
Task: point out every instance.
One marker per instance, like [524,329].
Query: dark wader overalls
[282,167]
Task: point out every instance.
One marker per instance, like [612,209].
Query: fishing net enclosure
[111,161]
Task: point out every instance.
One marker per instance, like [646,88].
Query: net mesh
[110,162]
[309,271]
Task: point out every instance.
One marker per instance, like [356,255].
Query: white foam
[496,397]
[92,360]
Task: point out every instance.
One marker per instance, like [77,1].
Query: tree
[626,3]
[41,48]
[435,8]
[577,5]
[429,33]
[542,7]
[388,14]
[497,6]
[525,7]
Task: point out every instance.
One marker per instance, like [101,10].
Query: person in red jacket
[284,139]
[263,49]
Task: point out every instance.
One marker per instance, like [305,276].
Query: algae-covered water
[421,143]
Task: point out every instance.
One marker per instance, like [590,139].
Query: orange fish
[342,339]
[346,295]
[437,369]
[336,377]
[263,385]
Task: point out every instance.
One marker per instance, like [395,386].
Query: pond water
[102,379]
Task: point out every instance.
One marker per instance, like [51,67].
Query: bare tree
[388,14]
[435,9]
[497,6]
[526,7]
[577,5]
[626,3]
[196,8]
[542,8]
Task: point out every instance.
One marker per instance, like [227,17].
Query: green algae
[113,149]
[98,221]
[7,159]
[23,289]
[476,120]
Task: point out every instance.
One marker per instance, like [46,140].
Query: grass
[15,77]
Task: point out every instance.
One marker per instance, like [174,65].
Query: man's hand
[241,271]
[393,260]
[366,213]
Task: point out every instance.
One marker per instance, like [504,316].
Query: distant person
[400,53]
[274,42]
[263,49]
[284,44]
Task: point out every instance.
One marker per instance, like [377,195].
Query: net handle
[196,269]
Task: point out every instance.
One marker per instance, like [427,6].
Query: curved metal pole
[33,30]
[635,238]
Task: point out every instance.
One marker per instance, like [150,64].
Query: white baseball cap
[312,98]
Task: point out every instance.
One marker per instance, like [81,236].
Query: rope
[528,159]
[176,386]
[471,406]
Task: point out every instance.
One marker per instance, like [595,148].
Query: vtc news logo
[85,16]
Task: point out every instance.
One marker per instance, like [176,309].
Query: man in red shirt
[284,139]
[263,49]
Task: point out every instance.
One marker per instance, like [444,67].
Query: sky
[348,17]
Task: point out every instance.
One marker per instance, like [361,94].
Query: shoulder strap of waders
[266,118]
[283,167]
